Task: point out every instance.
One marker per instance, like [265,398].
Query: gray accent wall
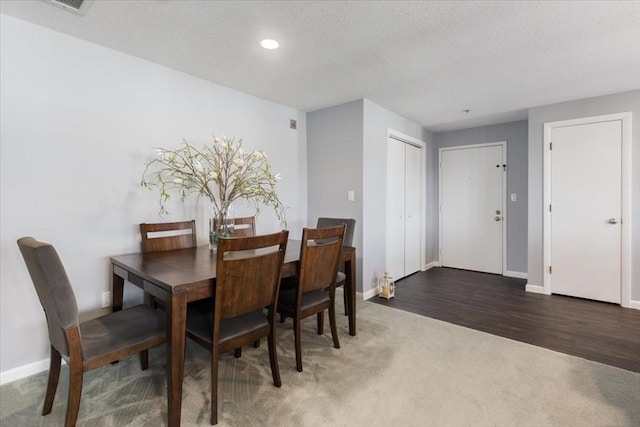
[347,150]
[515,134]
[334,166]
[601,105]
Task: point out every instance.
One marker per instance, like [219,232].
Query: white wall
[616,103]
[78,121]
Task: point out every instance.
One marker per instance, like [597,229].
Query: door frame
[504,195]
[626,166]
[398,136]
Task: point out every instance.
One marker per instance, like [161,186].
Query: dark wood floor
[598,331]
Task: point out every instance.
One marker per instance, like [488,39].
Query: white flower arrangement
[221,172]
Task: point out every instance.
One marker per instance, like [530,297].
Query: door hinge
[549,207]
[550,270]
[551,146]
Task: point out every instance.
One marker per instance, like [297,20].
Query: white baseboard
[370,294]
[536,289]
[516,274]
[24,371]
[635,304]
[431,265]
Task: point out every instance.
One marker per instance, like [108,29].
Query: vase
[221,224]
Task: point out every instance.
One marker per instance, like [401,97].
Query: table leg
[176,324]
[117,289]
[350,289]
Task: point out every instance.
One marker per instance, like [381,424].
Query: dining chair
[242,227]
[314,287]
[247,281]
[350,226]
[87,345]
[167,236]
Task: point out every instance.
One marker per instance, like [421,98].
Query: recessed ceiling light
[269,44]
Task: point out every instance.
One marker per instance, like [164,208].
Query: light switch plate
[514,197]
[350,196]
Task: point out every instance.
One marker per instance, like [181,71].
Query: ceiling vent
[76,6]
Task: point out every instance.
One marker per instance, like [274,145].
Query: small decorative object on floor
[386,286]
[221,172]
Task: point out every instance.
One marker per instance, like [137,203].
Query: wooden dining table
[181,276]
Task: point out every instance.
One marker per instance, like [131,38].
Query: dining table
[178,277]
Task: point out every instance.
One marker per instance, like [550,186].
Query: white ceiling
[427,61]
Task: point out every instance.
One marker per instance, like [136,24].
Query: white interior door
[472,207]
[412,203]
[586,179]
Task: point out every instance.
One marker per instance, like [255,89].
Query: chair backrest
[53,288]
[319,257]
[248,273]
[242,227]
[350,224]
[167,236]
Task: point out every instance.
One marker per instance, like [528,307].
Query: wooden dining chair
[89,344]
[242,227]
[167,236]
[314,288]
[247,281]
[350,225]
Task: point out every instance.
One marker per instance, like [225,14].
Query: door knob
[496,218]
[612,221]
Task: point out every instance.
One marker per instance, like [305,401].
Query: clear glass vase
[221,224]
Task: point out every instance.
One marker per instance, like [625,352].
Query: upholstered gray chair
[350,226]
[89,344]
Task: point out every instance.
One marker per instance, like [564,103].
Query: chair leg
[214,386]
[256,344]
[320,322]
[344,298]
[238,352]
[273,357]
[144,360]
[75,391]
[52,383]
[332,324]
[296,333]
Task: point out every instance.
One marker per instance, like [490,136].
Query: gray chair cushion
[120,330]
[200,324]
[286,299]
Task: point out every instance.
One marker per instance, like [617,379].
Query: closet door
[403,208]
[412,202]
[395,208]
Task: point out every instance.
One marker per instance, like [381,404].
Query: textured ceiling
[427,61]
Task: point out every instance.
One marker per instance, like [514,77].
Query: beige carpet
[400,370]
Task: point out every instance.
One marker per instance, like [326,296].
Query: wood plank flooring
[498,305]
